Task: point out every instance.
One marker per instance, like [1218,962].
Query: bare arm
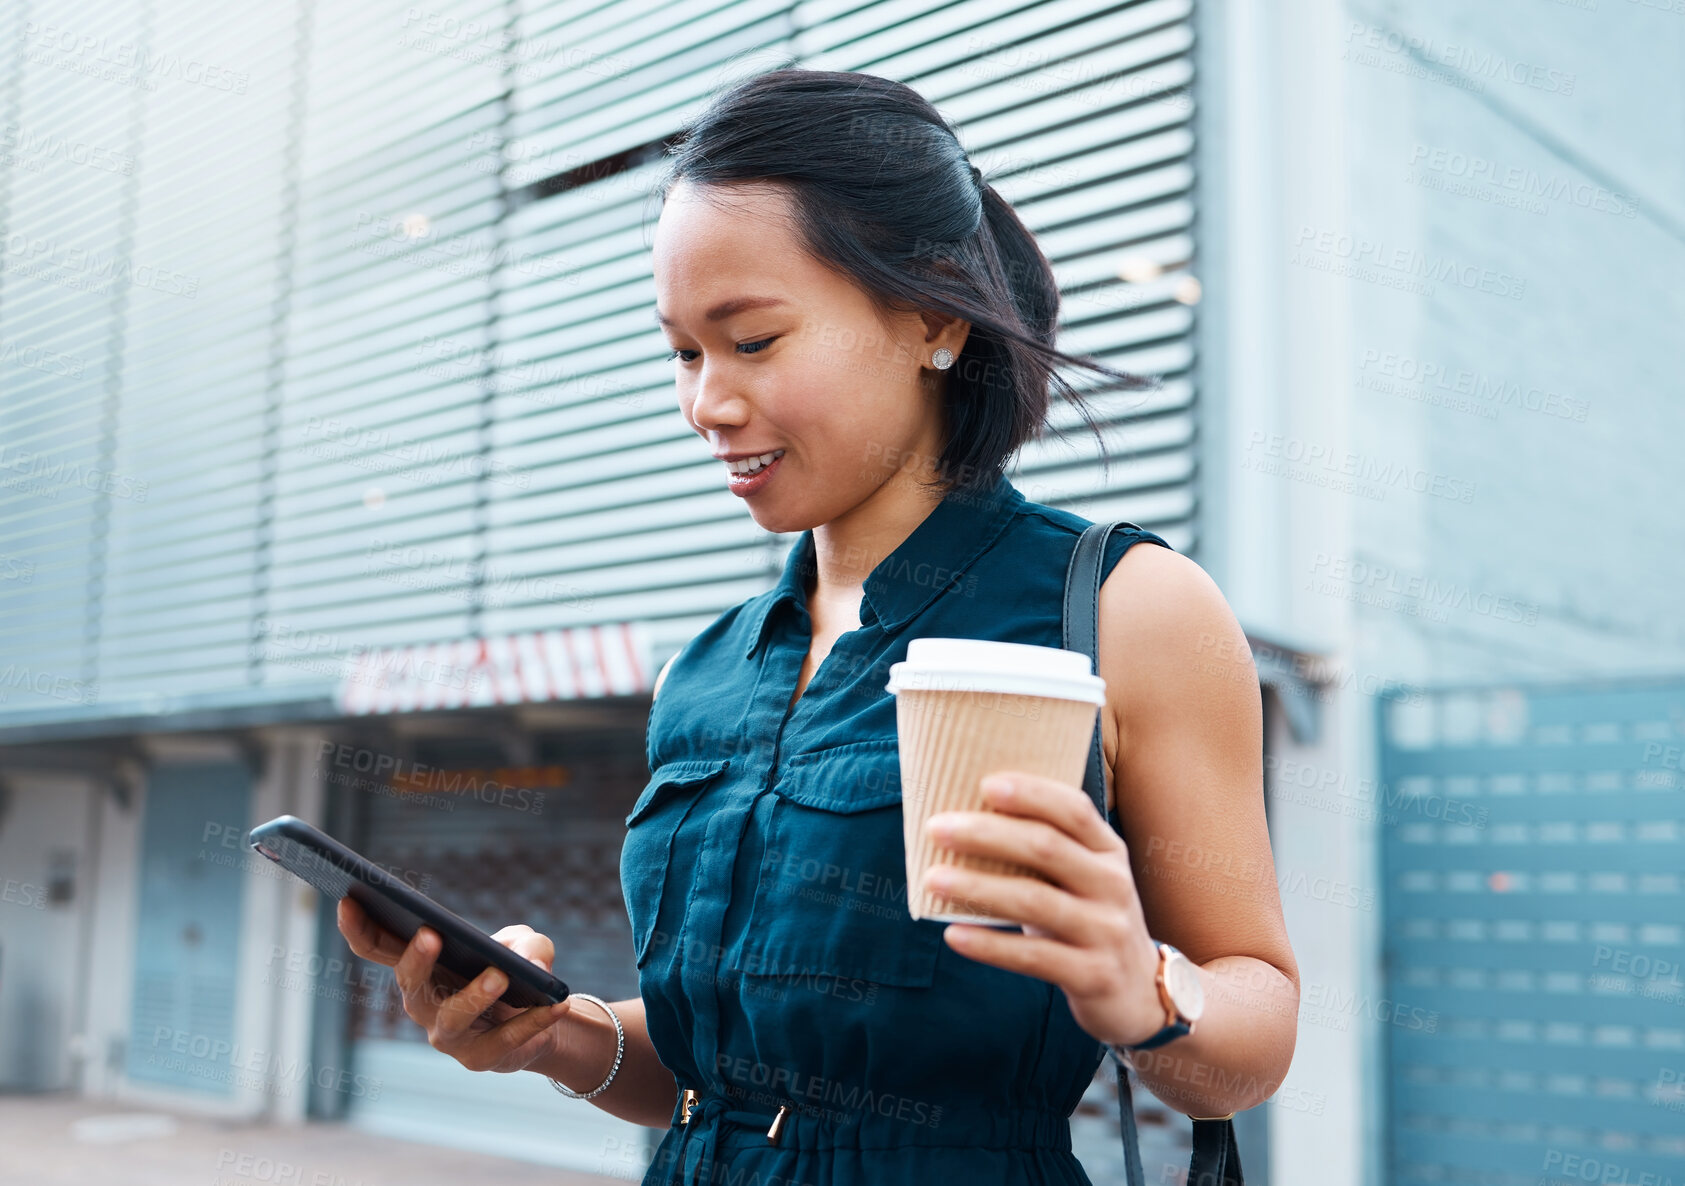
[643,1092]
[1189,773]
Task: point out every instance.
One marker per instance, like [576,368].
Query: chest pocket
[831,893]
[647,854]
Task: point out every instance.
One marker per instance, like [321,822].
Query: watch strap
[1175,1029]
[1175,1026]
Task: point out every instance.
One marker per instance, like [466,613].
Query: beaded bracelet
[619,1051]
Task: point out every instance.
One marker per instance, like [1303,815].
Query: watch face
[1181,981]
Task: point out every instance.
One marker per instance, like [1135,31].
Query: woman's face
[851,402]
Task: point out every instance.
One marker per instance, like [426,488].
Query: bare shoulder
[1169,643]
[1161,580]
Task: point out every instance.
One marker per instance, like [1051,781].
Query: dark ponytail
[883,192]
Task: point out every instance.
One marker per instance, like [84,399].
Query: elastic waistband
[883,1122]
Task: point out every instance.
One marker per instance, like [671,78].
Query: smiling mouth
[750,466]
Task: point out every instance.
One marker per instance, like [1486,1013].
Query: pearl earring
[942,359]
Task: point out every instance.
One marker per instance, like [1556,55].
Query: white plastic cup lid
[982,665]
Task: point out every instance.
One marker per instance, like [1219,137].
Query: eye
[743,346]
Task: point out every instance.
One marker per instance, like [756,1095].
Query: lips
[749,466]
[752,483]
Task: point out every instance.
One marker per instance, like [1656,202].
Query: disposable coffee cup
[966,708]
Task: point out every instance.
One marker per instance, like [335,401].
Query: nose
[715,403]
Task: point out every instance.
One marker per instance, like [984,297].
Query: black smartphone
[466,951]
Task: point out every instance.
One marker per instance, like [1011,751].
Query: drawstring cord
[702,1116]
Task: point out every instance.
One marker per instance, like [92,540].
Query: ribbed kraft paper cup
[958,728]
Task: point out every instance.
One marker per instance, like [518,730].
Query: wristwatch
[1181,994]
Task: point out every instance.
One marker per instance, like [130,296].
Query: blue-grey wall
[1517,172]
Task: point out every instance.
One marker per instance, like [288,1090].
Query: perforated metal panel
[1533,848]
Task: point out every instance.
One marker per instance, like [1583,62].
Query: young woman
[862,322]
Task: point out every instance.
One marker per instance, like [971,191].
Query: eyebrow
[727,308]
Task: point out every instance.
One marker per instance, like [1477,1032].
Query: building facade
[340,475]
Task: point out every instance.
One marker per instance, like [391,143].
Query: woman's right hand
[471,1025]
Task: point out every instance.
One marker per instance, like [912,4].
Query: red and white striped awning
[610,659]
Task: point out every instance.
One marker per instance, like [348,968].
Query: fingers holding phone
[525,941]
[472,1025]
[366,937]
[374,942]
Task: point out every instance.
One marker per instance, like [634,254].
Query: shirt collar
[933,560]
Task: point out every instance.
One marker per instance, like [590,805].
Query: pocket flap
[858,776]
[672,777]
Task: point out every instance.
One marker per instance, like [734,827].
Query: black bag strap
[1216,1159]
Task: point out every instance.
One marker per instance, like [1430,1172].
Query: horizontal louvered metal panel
[629,74]
[184,564]
[625,505]
[418,411]
[192,250]
[397,238]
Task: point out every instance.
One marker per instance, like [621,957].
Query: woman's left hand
[1084,932]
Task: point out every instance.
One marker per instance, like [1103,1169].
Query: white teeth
[751,465]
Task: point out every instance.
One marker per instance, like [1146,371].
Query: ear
[942,331]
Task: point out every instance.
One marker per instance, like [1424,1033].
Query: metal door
[192,878]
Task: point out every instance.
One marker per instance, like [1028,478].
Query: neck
[849,547]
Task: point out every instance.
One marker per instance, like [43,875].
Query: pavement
[59,1140]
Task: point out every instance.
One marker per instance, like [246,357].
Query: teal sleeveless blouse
[764,877]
